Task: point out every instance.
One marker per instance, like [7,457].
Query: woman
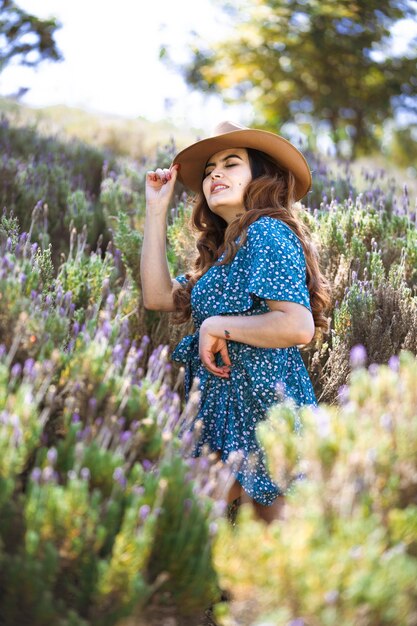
[255,291]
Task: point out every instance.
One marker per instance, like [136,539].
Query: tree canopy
[26,38]
[311,61]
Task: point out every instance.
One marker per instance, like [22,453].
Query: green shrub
[346,552]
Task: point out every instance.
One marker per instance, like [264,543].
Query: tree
[25,37]
[311,61]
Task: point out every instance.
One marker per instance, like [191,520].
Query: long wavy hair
[270,192]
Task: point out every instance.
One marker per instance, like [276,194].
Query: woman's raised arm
[157,284]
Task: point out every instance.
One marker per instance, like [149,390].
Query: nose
[216,174]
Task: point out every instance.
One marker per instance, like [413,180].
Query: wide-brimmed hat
[231,135]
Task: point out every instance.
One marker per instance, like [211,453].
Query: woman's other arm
[287,324]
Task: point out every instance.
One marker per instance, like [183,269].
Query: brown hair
[270,192]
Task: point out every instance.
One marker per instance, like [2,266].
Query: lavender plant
[61,177]
[91,460]
[352,515]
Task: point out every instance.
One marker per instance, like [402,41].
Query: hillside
[135,138]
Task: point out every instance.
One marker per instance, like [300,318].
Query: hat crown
[228,127]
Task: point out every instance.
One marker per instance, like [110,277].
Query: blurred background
[339,77]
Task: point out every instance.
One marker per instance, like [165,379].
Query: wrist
[214,325]
[155,212]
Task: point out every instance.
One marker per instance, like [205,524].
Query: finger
[161,174]
[151,175]
[173,172]
[225,355]
[210,363]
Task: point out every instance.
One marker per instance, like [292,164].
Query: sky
[111,52]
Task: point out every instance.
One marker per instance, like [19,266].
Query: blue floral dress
[269,265]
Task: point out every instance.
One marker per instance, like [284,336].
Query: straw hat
[231,135]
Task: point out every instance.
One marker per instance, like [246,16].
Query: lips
[218,187]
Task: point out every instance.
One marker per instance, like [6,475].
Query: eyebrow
[225,159]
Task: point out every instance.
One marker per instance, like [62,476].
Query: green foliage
[51,182]
[15,26]
[183,544]
[403,147]
[352,515]
[286,57]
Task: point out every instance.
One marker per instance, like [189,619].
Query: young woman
[255,291]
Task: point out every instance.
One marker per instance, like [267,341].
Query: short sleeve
[181,279]
[277,262]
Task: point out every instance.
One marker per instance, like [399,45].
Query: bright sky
[111,59]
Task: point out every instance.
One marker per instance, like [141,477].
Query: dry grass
[136,138]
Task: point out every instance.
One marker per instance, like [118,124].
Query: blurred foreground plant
[347,551]
[92,471]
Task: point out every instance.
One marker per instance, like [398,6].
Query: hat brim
[194,158]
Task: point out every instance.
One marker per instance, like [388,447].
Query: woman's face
[225,178]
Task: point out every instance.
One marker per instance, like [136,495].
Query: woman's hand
[159,188]
[209,346]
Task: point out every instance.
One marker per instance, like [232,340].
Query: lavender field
[104,516]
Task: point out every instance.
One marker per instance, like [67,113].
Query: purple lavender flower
[373,369]
[16,369]
[323,422]
[331,597]
[386,421]
[110,301]
[85,473]
[125,436]
[144,511]
[343,394]
[67,298]
[358,355]
[76,418]
[119,476]
[394,363]
[52,456]
[36,474]
[28,366]
[146,464]
[106,329]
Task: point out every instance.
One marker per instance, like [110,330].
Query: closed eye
[228,165]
